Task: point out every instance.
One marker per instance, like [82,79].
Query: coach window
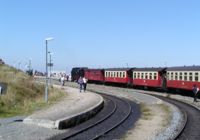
[134,75]
[180,76]
[190,76]
[155,76]
[142,75]
[138,75]
[185,76]
[146,75]
[117,74]
[168,76]
[172,76]
[196,76]
[123,74]
[150,75]
[176,76]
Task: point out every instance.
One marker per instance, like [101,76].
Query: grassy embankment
[23,94]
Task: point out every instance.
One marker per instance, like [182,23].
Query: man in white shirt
[84,83]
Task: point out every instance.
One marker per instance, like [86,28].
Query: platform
[73,109]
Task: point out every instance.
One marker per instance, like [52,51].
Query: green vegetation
[167,115]
[146,112]
[168,95]
[23,94]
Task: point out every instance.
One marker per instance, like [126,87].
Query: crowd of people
[82,81]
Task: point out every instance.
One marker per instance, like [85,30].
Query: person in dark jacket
[195,90]
[80,82]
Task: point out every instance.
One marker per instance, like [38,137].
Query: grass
[23,94]
[167,117]
[146,112]
[168,95]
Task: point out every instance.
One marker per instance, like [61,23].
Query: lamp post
[46,86]
[50,65]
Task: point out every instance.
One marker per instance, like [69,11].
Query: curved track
[191,129]
[116,111]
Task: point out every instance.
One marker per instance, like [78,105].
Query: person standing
[84,83]
[80,82]
[195,90]
[62,80]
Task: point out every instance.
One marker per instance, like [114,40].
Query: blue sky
[100,33]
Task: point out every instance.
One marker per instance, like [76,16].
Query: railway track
[191,128]
[106,124]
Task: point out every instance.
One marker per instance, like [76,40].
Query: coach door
[130,75]
[163,80]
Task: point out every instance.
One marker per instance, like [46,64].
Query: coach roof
[149,69]
[94,69]
[118,69]
[184,68]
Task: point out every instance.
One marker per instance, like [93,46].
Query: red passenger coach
[149,77]
[118,75]
[94,75]
[183,77]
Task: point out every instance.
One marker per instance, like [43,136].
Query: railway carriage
[183,77]
[94,75]
[149,77]
[118,75]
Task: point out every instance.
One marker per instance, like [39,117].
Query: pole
[50,67]
[46,86]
